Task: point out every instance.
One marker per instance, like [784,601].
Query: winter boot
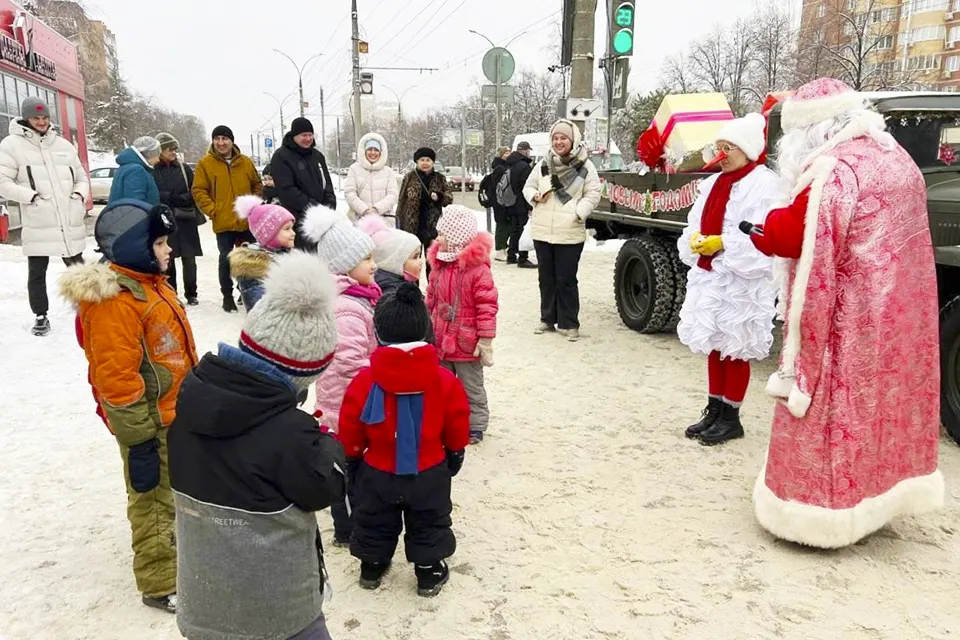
[501,255]
[341,542]
[228,304]
[476,437]
[371,574]
[710,414]
[239,301]
[526,264]
[41,326]
[164,603]
[430,580]
[727,427]
[192,301]
[543,327]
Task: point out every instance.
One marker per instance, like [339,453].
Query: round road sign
[498,57]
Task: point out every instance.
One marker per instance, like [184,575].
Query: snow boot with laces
[430,580]
[371,574]
[710,414]
[727,427]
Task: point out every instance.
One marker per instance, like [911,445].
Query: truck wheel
[643,283]
[679,281]
[950,368]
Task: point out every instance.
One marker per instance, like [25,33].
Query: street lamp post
[300,84]
[280,104]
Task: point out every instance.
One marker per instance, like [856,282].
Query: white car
[101,180]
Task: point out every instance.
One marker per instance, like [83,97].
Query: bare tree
[708,60]
[775,49]
[677,75]
[737,60]
[862,52]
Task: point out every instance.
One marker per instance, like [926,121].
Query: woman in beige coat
[371,185]
[564,189]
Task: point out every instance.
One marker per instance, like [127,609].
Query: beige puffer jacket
[558,223]
[371,186]
[48,165]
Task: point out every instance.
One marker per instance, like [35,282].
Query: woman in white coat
[371,186]
[42,172]
[730,305]
[564,189]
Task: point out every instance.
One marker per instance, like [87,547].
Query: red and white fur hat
[817,101]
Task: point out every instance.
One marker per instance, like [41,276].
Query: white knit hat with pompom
[340,244]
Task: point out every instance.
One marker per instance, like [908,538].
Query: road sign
[268,143]
[450,137]
[621,72]
[474,138]
[488,94]
[498,56]
[580,108]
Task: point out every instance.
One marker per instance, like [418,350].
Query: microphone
[751,229]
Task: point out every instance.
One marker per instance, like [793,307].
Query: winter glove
[484,351]
[455,461]
[695,241]
[709,245]
[143,461]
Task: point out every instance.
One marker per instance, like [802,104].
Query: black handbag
[188,214]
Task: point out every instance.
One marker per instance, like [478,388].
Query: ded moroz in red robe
[856,428]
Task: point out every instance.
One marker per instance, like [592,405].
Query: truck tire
[679,281]
[950,368]
[644,286]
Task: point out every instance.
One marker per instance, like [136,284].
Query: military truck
[650,212]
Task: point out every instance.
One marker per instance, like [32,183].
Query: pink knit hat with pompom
[265,220]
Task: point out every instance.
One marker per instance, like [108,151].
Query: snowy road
[585,514]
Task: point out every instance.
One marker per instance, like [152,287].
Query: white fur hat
[746,133]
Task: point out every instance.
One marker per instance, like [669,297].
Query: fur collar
[361,152]
[250,262]
[89,283]
[476,253]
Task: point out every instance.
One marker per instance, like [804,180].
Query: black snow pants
[388,503]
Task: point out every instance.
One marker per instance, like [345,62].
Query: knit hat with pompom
[401,316]
[266,220]
[393,246]
[340,244]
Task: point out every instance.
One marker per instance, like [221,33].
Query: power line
[437,26]
[412,20]
[403,7]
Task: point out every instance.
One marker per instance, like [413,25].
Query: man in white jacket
[730,305]
[42,172]
[371,185]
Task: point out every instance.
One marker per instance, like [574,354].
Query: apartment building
[909,44]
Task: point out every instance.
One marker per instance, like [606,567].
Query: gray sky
[214,58]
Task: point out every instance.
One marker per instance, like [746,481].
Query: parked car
[456,177]
[100,182]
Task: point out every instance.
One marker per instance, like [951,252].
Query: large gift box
[686,123]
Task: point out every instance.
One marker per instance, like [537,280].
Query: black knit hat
[401,316]
[223,130]
[425,152]
[301,125]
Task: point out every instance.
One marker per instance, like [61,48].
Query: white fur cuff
[779,386]
[798,402]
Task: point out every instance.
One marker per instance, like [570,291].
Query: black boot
[164,603]
[710,414]
[371,573]
[430,580]
[727,427]
[228,304]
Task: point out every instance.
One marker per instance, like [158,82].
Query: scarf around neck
[715,209]
[370,292]
[409,421]
[567,173]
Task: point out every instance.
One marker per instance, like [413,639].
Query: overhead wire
[437,26]
[416,17]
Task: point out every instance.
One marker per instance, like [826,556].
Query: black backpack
[506,198]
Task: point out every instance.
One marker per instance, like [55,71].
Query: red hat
[819,100]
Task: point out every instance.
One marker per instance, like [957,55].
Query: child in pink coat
[348,253]
[462,300]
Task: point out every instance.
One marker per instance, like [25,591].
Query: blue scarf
[409,421]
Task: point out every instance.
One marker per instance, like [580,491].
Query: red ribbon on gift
[651,143]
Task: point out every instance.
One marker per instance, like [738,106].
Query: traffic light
[366,83]
[622,17]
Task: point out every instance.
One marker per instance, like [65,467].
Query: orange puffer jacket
[138,342]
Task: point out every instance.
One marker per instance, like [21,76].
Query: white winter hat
[746,133]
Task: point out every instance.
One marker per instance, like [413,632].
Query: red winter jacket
[78,326]
[405,370]
[462,299]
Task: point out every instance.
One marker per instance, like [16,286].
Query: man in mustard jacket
[223,175]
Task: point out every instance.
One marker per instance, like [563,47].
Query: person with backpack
[487,195]
[510,197]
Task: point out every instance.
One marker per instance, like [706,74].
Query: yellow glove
[709,245]
[695,241]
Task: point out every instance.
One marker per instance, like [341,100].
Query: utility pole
[581,67]
[258,147]
[339,166]
[355,54]
[463,150]
[252,152]
[323,125]
[499,130]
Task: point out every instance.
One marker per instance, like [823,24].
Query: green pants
[501,233]
[151,523]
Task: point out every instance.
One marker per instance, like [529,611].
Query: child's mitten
[455,461]
[485,351]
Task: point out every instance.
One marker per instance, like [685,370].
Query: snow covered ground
[585,514]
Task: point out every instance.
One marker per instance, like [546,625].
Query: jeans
[559,291]
[37,281]
[189,275]
[517,223]
[226,241]
[502,231]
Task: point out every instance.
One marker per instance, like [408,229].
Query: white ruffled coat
[731,308]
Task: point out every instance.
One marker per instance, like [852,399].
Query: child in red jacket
[404,426]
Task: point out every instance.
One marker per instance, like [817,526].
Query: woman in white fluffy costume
[730,305]
[855,431]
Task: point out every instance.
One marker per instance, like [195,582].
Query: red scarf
[715,209]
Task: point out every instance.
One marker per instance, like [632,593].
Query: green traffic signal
[624,16]
[623,42]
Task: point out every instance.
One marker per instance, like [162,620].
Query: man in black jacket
[301,176]
[248,468]
[487,195]
[519,164]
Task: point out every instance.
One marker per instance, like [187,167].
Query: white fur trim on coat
[825,528]
[797,114]
[784,389]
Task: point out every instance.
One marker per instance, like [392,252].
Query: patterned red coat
[462,299]
[855,433]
